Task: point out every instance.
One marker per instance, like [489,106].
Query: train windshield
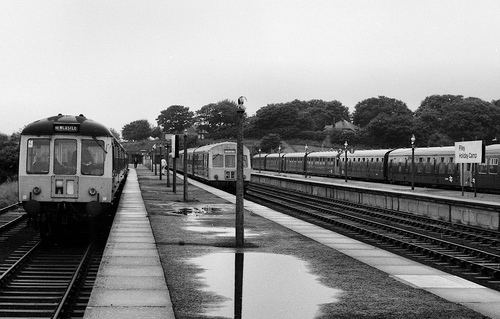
[38,157]
[92,157]
[65,156]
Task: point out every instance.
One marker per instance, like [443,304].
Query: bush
[318,136]
[8,193]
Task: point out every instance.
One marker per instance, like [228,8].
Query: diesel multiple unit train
[215,164]
[434,166]
[70,171]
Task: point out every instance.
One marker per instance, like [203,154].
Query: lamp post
[240,230]
[305,162]
[279,159]
[412,140]
[345,164]
[185,195]
[168,168]
[161,167]
[260,162]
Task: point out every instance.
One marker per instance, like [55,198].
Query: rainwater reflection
[263,286]
[219,231]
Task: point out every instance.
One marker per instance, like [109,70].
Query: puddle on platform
[265,286]
[220,231]
[205,210]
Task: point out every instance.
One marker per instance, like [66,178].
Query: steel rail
[8,208]
[465,232]
[482,266]
[71,284]
[18,263]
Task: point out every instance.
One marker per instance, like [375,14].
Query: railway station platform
[468,195]
[287,269]
[130,281]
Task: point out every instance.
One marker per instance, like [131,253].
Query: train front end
[66,175]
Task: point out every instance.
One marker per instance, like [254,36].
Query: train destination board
[469,152]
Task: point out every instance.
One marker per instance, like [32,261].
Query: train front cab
[67,180]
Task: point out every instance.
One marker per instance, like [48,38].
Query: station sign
[469,152]
[66,128]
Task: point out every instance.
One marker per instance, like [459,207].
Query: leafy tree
[388,130]
[9,157]
[218,119]
[115,133]
[367,110]
[156,132]
[136,130]
[443,119]
[325,113]
[284,119]
[270,142]
[175,119]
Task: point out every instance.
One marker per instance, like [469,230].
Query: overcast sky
[120,61]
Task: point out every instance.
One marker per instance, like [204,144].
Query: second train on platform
[434,166]
[215,164]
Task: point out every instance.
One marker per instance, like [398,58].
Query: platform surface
[130,282]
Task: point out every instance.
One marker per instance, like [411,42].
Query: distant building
[341,126]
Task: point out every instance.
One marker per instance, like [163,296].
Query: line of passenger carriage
[434,166]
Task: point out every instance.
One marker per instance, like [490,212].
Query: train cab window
[65,156]
[217,160]
[93,154]
[38,157]
[493,165]
[230,160]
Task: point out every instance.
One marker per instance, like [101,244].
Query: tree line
[380,122]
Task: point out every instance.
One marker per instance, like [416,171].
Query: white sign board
[469,152]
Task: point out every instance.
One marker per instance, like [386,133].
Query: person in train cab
[87,158]
[40,166]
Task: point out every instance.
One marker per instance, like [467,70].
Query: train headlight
[216,177]
[92,191]
[36,190]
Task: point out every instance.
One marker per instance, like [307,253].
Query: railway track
[48,282]
[10,217]
[466,251]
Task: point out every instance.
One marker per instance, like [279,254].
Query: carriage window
[230,161]
[92,157]
[218,160]
[493,167]
[442,159]
[65,157]
[38,157]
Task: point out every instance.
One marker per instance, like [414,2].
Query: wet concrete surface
[261,285]
[283,272]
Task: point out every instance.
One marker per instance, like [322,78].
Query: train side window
[38,157]
[217,160]
[482,169]
[65,155]
[493,165]
[93,157]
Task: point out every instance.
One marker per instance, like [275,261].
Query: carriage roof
[66,124]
